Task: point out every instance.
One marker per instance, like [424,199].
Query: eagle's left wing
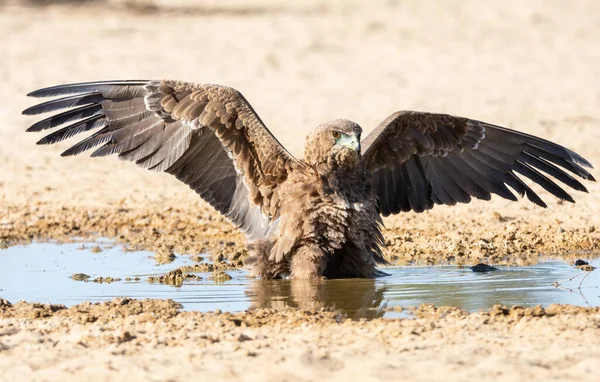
[420,159]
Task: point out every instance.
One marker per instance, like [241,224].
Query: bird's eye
[336,134]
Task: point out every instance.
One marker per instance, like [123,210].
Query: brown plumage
[318,216]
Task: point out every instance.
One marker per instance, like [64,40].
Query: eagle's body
[317,216]
[329,224]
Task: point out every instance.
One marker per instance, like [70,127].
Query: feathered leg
[258,262]
[352,261]
[308,262]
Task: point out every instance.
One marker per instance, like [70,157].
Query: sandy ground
[532,66]
[149,340]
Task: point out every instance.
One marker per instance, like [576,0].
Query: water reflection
[358,298]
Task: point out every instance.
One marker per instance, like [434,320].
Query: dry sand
[533,66]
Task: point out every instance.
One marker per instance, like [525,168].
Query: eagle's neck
[340,169]
[344,178]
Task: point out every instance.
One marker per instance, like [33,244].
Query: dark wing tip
[55,90]
[37,93]
[579,159]
[32,110]
[81,87]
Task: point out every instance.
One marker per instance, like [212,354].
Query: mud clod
[4,304]
[175,277]
[220,276]
[96,249]
[107,280]
[587,268]
[80,276]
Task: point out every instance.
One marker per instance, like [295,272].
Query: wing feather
[208,136]
[445,159]
[413,171]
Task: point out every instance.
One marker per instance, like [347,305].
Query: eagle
[316,217]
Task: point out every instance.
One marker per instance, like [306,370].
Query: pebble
[483,268]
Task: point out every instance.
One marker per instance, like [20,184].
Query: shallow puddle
[41,272]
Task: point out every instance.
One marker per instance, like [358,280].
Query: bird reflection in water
[355,298]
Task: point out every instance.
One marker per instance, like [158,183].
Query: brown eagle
[317,217]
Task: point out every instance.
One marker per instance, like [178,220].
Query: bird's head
[335,142]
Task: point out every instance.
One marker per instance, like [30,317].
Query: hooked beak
[350,141]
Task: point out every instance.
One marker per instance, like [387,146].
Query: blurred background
[531,65]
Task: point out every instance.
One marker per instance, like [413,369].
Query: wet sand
[526,66]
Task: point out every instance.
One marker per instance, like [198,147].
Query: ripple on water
[41,272]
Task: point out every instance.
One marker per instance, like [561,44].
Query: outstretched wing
[208,136]
[420,159]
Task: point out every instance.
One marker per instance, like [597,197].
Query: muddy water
[41,272]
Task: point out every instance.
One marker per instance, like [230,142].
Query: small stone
[483,268]
[560,230]
[123,301]
[125,337]
[242,338]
